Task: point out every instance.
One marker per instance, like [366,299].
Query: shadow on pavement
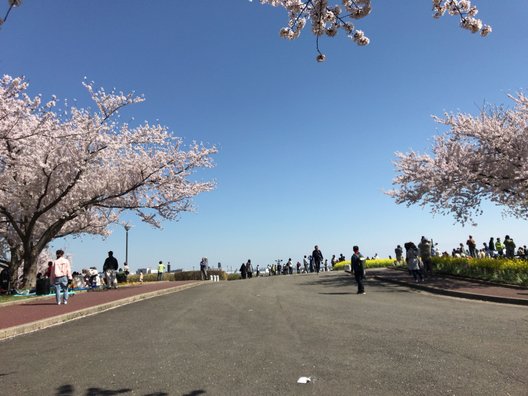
[195,393]
[330,281]
[69,390]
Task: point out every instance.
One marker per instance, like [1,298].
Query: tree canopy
[483,157]
[74,171]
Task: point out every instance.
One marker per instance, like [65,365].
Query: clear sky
[305,148]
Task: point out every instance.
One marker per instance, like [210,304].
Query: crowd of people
[418,258]
[313,263]
[495,248]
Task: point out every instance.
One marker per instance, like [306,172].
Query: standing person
[126,271]
[317,258]
[510,246]
[425,253]
[249,269]
[499,247]
[298,267]
[305,264]
[161,268]
[243,270]
[358,267]
[289,267]
[333,261]
[491,247]
[413,264]
[110,267]
[472,246]
[399,253]
[203,268]
[61,275]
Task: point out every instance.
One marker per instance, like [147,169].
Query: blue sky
[305,148]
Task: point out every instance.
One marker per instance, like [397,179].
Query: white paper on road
[303,380]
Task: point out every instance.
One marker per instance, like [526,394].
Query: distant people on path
[333,261]
[243,271]
[204,263]
[317,258]
[358,268]
[249,269]
[509,246]
[161,269]
[110,267]
[472,247]
[399,254]
[305,264]
[126,271]
[61,275]
[425,254]
[413,264]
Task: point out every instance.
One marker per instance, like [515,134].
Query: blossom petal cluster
[74,171]
[480,158]
[327,20]
[465,10]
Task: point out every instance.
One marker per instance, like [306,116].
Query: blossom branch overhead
[11,4]
[328,20]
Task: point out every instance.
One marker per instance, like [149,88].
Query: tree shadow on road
[195,393]
[329,281]
[69,390]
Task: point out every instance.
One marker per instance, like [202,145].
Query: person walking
[243,270]
[358,268]
[249,269]
[203,268]
[305,264]
[317,258]
[161,268]
[61,275]
[110,267]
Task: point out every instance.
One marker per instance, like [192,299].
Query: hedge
[177,276]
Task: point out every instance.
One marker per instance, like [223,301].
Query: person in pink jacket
[61,275]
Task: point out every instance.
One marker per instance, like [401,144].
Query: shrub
[234,276]
[512,271]
[378,263]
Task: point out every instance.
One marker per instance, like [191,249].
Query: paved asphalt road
[257,337]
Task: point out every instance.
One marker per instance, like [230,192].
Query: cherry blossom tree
[73,171]
[327,20]
[483,157]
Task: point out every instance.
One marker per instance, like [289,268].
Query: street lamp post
[127,227]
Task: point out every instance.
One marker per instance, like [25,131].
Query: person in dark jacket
[110,267]
[317,257]
[358,268]
[243,270]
